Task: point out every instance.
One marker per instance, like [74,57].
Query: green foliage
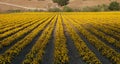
[61,2]
[77,10]
[114,6]
[14,11]
[97,8]
[104,7]
[54,10]
[67,9]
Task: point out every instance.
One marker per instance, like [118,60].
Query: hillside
[6,5]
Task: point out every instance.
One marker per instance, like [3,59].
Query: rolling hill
[6,5]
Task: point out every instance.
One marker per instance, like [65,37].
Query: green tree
[61,2]
[114,6]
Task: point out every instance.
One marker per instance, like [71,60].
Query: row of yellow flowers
[60,52]
[104,49]
[87,55]
[19,46]
[38,50]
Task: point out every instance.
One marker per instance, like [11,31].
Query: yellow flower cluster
[100,29]
[61,52]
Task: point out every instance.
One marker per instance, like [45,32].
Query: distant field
[60,38]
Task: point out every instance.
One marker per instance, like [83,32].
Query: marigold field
[60,38]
